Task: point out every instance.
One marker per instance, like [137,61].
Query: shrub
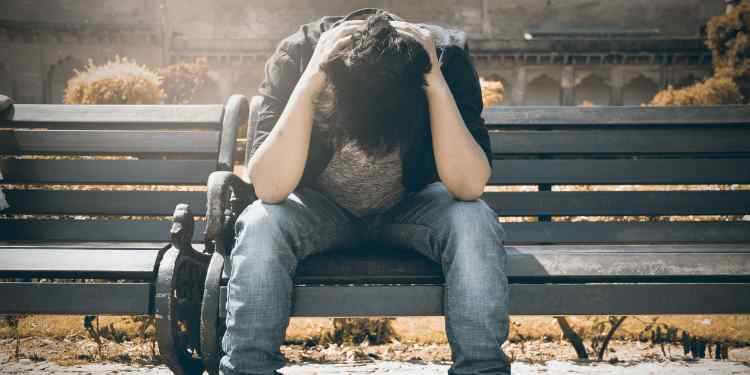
[116,82]
[712,91]
[181,81]
[493,92]
[728,37]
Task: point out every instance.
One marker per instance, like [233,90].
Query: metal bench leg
[212,327]
[179,291]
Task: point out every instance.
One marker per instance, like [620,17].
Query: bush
[181,81]
[729,41]
[117,82]
[712,91]
[493,92]
[376,331]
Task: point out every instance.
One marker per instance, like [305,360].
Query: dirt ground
[413,367]
[60,345]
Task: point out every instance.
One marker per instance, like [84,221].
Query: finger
[347,30]
[342,43]
[348,24]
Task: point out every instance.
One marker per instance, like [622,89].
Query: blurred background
[544,52]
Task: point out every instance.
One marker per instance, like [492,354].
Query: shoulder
[306,35]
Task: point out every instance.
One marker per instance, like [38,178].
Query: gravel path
[401,368]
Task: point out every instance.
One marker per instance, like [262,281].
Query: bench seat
[545,280]
[539,263]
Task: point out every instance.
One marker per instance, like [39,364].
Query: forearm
[461,163]
[278,164]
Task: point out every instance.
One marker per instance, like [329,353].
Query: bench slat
[168,172]
[622,141]
[91,230]
[101,202]
[107,142]
[617,115]
[114,116]
[76,298]
[619,203]
[593,263]
[620,171]
[525,299]
[79,263]
[627,232]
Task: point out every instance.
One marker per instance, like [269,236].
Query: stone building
[546,52]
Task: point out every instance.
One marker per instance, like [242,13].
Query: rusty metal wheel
[212,327]
[179,291]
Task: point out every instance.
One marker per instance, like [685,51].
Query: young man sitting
[369,131]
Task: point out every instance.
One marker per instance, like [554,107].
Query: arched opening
[592,89]
[6,85]
[543,90]
[686,81]
[508,93]
[639,90]
[57,79]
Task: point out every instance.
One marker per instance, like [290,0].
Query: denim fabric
[464,237]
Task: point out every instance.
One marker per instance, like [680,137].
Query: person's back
[367,135]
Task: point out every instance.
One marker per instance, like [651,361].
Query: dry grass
[729,328]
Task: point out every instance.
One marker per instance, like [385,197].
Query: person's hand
[331,41]
[423,36]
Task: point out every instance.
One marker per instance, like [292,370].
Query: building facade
[546,52]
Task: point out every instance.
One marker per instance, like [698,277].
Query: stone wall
[607,52]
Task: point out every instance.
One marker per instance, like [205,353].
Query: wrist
[313,82]
[435,81]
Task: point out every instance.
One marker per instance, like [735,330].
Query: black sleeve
[463,80]
[281,75]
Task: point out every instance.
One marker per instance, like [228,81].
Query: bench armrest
[228,195]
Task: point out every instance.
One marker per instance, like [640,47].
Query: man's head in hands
[377,84]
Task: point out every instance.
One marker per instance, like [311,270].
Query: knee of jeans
[474,219]
[264,218]
[262,227]
[476,233]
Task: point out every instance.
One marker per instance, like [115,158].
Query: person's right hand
[331,41]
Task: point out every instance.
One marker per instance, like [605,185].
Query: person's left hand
[423,36]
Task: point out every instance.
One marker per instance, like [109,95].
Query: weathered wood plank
[525,299]
[627,232]
[548,263]
[101,202]
[76,298]
[49,245]
[168,172]
[619,203]
[90,230]
[622,141]
[114,116]
[620,171]
[620,115]
[78,263]
[107,142]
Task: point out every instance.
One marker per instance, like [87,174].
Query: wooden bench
[82,233]
[555,267]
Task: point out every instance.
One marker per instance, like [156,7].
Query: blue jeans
[271,239]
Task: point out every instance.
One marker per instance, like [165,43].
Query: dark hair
[379,86]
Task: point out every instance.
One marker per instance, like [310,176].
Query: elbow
[266,190]
[467,192]
[469,189]
[468,195]
[269,195]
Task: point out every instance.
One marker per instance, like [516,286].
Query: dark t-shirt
[284,68]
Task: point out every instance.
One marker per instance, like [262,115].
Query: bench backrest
[137,163]
[549,148]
